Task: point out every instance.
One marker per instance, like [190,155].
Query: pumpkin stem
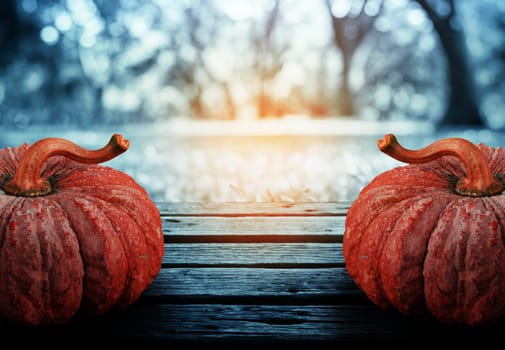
[27,181]
[479,180]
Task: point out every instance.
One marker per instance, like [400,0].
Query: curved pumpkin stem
[27,180]
[479,180]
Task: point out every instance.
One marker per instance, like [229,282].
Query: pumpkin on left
[75,236]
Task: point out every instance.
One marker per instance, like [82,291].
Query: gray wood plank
[234,209]
[328,225]
[193,254]
[253,238]
[253,282]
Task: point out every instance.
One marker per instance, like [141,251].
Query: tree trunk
[463,105]
[13,31]
[345,98]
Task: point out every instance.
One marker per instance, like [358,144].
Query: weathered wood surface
[252,273]
[254,209]
[252,254]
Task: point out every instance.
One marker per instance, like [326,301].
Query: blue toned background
[236,100]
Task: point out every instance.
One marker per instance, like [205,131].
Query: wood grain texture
[216,325]
[222,254]
[195,225]
[235,209]
[249,282]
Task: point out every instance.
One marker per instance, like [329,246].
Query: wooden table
[251,274]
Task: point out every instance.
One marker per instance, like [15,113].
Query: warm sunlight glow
[291,125]
[289,159]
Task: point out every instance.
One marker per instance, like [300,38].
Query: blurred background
[267,100]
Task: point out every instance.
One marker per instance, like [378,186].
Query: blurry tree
[351,22]
[129,50]
[484,26]
[402,68]
[42,56]
[493,71]
[22,47]
[268,53]
[95,61]
[15,29]
[190,42]
[463,104]
[194,72]
[498,50]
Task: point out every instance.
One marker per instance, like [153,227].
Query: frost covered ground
[288,160]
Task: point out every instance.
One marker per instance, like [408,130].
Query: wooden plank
[237,323]
[286,284]
[203,254]
[235,209]
[258,238]
[327,225]
[216,325]
[288,323]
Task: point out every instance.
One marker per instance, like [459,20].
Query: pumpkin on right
[430,236]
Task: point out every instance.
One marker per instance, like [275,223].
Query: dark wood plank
[286,323]
[235,209]
[288,284]
[203,254]
[201,324]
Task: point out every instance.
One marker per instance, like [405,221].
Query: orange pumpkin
[74,235]
[429,236]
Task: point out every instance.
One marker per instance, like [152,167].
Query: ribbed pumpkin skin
[413,244]
[93,244]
